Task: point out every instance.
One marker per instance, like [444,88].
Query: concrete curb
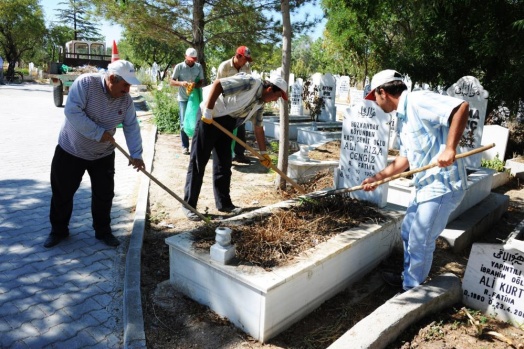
[134,334]
[383,326]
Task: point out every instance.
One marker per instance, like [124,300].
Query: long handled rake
[258,155]
[400,175]
[186,205]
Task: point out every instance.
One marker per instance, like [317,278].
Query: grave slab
[265,303]
[475,222]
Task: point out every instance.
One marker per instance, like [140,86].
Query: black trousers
[241,134]
[66,175]
[206,140]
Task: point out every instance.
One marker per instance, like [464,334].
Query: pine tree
[79,16]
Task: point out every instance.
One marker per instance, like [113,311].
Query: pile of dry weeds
[270,241]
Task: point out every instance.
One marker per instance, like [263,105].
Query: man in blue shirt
[430,127]
[185,75]
[96,105]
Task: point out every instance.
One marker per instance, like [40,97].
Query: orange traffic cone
[114,54]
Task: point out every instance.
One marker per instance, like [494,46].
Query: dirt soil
[173,321]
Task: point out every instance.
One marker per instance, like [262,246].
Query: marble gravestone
[355,97]
[494,282]
[498,135]
[327,89]
[296,98]
[468,88]
[364,150]
[343,88]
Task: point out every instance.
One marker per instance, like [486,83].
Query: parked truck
[74,58]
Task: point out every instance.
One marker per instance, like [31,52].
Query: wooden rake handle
[258,155]
[186,205]
[404,174]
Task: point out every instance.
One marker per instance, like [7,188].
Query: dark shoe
[109,240]
[192,216]
[53,240]
[392,279]
[231,209]
[241,159]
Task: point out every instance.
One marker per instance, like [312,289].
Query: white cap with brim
[124,69]
[382,78]
[281,84]
[191,54]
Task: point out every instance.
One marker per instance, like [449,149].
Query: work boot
[231,209]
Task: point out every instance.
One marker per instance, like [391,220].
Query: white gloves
[207,117]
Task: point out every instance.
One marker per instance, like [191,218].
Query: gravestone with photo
[494,282]
[364,150]
[468,88]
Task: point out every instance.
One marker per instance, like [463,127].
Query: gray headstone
[468,88]
[494,282]
[364,150]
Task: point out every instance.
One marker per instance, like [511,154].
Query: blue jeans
[421,227]
[185,139]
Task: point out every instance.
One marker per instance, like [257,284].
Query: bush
[516,140]
[495,164]
[166,111]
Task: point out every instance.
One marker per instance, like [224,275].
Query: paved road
[69,296]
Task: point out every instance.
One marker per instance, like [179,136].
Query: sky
[113,32]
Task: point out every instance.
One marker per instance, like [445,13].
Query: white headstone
[296,98]
[355,97]
[494,282]
[393,133]
[469,89]
[343,88]
[498,135]
[327,92]
[291,79]
[364,150]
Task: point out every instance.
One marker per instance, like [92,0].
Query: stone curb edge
[133,320]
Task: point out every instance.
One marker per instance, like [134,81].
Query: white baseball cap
[281,84]
[381,78]
[191,53]
[125,69]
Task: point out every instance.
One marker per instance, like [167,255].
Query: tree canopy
[22,28]
[215,27]
[435,42]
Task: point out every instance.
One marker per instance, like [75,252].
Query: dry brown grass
[270,241]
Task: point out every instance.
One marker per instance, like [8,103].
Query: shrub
[516,140]
[495,164]
[166,111]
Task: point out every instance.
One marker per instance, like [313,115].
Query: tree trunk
[198,32]
[283,149]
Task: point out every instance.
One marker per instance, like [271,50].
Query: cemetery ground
[172,320]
